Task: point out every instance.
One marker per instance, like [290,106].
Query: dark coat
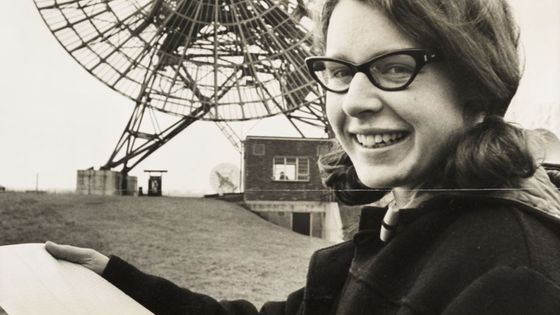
[497,253]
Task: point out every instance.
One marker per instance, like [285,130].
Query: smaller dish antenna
[225,178]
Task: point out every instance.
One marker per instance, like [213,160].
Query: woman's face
[415,124]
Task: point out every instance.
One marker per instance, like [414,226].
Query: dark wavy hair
[479,40]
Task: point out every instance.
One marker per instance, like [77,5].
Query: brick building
[282,184]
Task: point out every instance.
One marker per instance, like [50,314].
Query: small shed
[2,189]
[282,184]
[155,182]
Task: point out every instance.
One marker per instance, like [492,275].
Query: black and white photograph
[280,157]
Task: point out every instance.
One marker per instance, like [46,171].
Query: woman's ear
[479,117]
[473,118]
[473,111]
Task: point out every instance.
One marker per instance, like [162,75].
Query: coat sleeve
[161,296]
[510,291]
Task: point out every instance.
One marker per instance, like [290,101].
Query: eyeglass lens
[389,72]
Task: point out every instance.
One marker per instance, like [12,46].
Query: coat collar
[536,194]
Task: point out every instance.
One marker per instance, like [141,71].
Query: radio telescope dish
[210,59]
[216,60]
[224,178]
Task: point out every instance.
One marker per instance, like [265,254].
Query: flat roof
[286,138]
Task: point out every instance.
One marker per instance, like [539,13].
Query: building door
[301,222]
[154,186]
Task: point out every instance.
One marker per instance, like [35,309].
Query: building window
[258,149]
[287,168]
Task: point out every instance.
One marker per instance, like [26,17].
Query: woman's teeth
[379,140]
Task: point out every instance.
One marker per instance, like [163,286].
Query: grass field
[209,246]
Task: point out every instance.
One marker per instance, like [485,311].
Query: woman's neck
[409,198]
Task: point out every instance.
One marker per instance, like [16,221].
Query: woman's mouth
[380,140]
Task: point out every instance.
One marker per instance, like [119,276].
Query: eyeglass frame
[422,57]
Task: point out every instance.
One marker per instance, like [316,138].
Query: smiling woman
[415,91]
[432,108]
[363,114]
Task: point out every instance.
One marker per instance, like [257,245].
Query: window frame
[297,168]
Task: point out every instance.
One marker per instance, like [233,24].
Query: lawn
[209,246]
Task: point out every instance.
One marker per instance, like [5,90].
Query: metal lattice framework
[218,60]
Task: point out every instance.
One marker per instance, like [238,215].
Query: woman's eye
[340,73]
[398,69]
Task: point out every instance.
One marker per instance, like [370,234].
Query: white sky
[55,118]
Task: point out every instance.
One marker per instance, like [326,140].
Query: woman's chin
[376,179]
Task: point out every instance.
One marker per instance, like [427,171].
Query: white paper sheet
[33,282]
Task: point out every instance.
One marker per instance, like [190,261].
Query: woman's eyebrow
[371,56]
[337,56]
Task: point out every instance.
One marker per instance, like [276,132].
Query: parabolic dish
[213,60]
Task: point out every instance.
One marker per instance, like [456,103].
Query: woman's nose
[362,97]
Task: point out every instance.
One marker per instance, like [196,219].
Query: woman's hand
[86,257]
